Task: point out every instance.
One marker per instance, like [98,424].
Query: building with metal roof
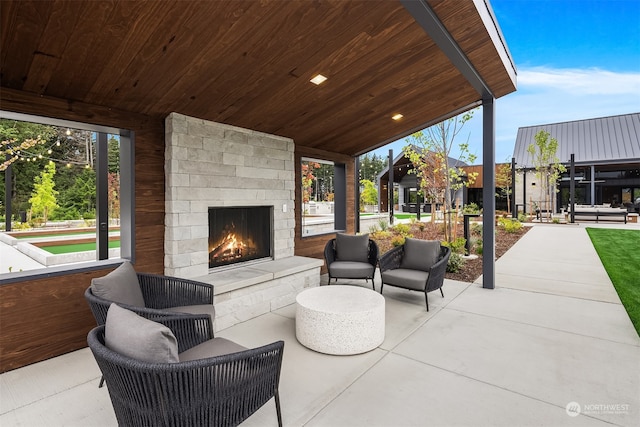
[406,183]
[607,162]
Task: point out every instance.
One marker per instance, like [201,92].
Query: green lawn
[78,233]
[78,247]
[409,215]
[619,251]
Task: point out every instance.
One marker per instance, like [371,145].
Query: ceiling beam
[429,21]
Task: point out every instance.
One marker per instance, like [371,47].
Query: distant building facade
[607,163]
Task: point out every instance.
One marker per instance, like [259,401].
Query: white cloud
[592,81]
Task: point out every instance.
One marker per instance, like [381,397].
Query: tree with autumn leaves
[308,179]
[429,152]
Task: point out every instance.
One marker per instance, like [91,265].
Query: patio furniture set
[155,345]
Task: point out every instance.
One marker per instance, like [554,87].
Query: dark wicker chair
[338,269]
[425,280]
[217,391]
[159,293]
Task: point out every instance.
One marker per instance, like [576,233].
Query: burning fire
[229,248]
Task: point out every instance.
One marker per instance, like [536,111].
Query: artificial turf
[78,247]
[619,251]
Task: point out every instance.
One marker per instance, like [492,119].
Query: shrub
[383,224]
[20,225]
[476,229]
[455,263]
[457,246]
[479,247]
[522,217]
[421,226]
[402,229]
[510,225]
[397,241]
[556,220]
[373,229]
[471,208]
[380,235]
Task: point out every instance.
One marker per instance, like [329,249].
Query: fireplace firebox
[239,234]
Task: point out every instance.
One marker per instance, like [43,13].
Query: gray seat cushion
[420,254]
[352,248]
[195,309]
[211,348]
[405,278]
[121,285]
[139,338]
[351,269]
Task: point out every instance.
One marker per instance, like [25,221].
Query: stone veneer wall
[213,164]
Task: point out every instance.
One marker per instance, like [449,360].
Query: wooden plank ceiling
[248,63]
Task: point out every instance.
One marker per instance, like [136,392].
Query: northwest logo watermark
[574,409]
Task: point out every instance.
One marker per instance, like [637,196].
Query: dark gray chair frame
[392,260]
[372,258]
[159,293]
[216,391]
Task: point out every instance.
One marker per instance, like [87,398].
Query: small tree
[43,197]
[503,183]
[369,195]
[430,152]
[548,166]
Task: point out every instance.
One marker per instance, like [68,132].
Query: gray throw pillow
[352,248]
[138,338]
[121,285]
[420,254]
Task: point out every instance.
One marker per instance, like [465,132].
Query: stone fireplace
[211,165]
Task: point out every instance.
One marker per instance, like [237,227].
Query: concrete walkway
[551,345]
[12,260]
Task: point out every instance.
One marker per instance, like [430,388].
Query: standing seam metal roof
[614,139]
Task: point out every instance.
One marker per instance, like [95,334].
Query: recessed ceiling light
[397,117]
[319,78]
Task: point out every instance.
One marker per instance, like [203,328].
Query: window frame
[127,199]
[339,198]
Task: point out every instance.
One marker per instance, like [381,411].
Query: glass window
[323,197]
[66,196]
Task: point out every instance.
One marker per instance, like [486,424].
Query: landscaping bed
[471,268]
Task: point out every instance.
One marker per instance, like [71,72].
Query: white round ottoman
[341,320]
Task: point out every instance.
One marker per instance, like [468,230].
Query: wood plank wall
[44,318]
[40,319]
[314,246]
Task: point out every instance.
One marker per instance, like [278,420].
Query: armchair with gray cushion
[173,372]
[418,265]
[351,257]
[149,295]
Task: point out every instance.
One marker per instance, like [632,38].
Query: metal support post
[488,193]
[390,189]
[572,188]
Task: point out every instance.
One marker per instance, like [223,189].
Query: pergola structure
[129,64]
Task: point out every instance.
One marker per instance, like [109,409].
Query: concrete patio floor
[552,335]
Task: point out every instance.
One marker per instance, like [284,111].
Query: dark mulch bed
[472,268]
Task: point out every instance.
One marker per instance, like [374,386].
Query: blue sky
[576,59]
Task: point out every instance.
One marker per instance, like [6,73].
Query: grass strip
[78,247]
[409,215]
[32,236]
[618,251]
